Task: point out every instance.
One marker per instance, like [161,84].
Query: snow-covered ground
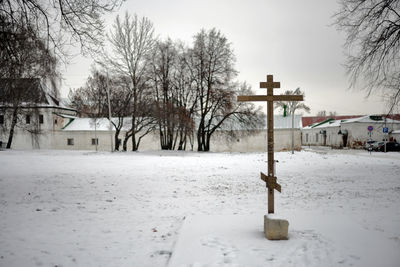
[69,208]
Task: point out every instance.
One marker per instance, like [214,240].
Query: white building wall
[53,136]
[316,138]
[221,142]
[82,140]
[24,136]
[358,132]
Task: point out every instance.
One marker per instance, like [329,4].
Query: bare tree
[187,98]
[91,100]
[212,69]
[174,97]
[292,106]
[34,32]
[24,58]
[373,39]
[131,43]
[324,113]
[60,23]
[166,111]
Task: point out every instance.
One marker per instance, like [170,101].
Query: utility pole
[109,112]
[292,131]
[385,135]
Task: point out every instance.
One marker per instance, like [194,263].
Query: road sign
[370,128]
[385,130]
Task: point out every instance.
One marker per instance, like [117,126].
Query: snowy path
[66,208]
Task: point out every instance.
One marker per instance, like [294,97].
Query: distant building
[82,132]
[39,114]
[44,122]
[257,141]
[351,133]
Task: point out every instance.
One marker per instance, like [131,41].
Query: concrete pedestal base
[275,229]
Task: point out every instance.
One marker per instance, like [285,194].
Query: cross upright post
[270,85]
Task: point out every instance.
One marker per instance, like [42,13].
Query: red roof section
[315,119]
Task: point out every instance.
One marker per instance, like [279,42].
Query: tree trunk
[116,143]
[125,143]
[207,143]
[13,123]
[199,143]
[134,145]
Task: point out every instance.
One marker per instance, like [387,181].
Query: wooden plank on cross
[255,98]
[271,182]
[270,179]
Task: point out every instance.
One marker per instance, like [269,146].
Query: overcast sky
[293,40]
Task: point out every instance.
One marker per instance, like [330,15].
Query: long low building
[67,132]
[44,122]
[351,133]
[85,133]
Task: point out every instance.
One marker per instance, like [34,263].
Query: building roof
[88,124]
[317,119]
[28,92]
[371,119]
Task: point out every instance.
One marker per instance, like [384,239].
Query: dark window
[41,119]
[316,137]
[95,141]
[119,141]
[1,119]
[70,141]
[55,121]
[28,119]
[307,138]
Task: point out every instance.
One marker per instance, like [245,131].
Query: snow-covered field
[69,208]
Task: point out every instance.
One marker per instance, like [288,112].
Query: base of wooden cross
[274,228]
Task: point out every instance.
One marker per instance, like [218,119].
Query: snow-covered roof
[89,124]
[332,123]
[325,124]
[65,116]
[370,119]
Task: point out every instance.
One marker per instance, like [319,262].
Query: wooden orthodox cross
[270,179]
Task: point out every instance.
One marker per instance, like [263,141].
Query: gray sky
[293,40]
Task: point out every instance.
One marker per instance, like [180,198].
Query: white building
[44,122]
[80,134]
[36,121]
[350,132]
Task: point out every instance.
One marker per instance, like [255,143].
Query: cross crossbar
[243,98]
[270,85]
[271,182]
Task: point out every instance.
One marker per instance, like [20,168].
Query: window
[1,119]
[55,121]
[95,141]
[70,141]
[316,138]
[119,141]
[40,118]
[28,119]
[307,138]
